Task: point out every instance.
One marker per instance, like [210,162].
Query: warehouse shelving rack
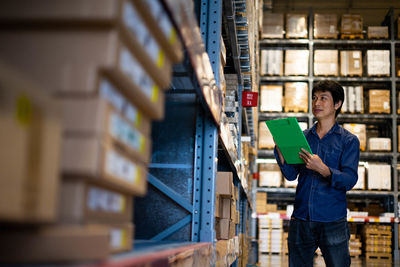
[311,44]
[188,148]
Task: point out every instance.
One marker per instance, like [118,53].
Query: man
[320,209]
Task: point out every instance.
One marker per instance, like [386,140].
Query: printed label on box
[108,92]
[332,29]
[102,200]
[356,54]
[119,166]
[356,64]
[133,115]
[122,131]
[130,17]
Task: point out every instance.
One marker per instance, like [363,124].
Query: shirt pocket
[332,158]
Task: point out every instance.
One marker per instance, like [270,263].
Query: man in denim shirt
[319,217]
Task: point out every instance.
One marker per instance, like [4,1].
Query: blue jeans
[306,236]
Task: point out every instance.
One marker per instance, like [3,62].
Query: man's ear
[338,104]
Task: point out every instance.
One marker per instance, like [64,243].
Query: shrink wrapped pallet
[325,26]
[270,175]
[272,25]
[378,32]
[379,177]
[379,101]
[351,24]
[265,140]
[296,97]
[351,63]
[296,26]
[326,62]
[271,62]
[271,98]
[359,130]
[378,62]
[296,62]
[379,144]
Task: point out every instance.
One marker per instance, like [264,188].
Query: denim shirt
[320,198]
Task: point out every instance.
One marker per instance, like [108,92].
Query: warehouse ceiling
[372,11]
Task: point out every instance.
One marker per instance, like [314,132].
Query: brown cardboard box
[121,237]
[107,90]
[272,25]
[68,62]
[379,101]
[58,243]
[351,63]
[326,62]
[325,26]
[222,228]
[270,175]
[97,117]
[271,98]
[97,160]
[351,24]
[378,62]
[379,32]
[271,62]
[224,184]
[359,130]
[225,208]
[296,62]
[296,26]
[30,140]
[82,202]
[160,24]
[102,14]
[265,140]
[379,144]
[296,97]
[217,211]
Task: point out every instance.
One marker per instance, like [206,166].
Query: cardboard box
[296,97]
[103,15]
[271,98]
[351,24]
[162,28]
[270,175]
[271,62]
[379,101]
[296,26]
[121,237]
[379,144]
[326,62]
[97,160]
[361,178]
[325,26]
[58,243]
[379,176]
[359,130]
[225,208]
[224,229]
[68,62]
[378,62]
[351,63]
[97,117]
[296,62]
[265,139]
[224,184]
[30,139]
[83,202]
[272,25]
[378,32]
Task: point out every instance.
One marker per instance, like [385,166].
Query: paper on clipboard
[289,138]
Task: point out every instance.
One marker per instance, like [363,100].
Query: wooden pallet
[352,75]
[295,110]
[378,256]
[326,37]
[352,36]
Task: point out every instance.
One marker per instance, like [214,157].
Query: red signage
[249,99]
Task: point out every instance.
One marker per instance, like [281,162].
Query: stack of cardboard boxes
[378,62]
[351,25]
[354,246]
[273,25]
[379,101]
[378,32]
[261,202]
[265,140]
[377,242]
[359,130]
[271,97]
[353,100]
[107,67]
[379,176]
[296,26]
[296,62]
[270,234]
[351,63]
[326,62]
[270,175]
[271,62]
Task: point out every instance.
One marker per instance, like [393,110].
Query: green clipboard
[290,139]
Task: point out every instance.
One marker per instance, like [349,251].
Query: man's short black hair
[334,88]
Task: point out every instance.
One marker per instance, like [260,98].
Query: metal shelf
[269,115]
[350,193]
[266,154]
[366,42]
[365,116]
[319,78]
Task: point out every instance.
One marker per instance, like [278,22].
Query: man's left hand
[314,162]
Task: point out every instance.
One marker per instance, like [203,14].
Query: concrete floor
[282,261]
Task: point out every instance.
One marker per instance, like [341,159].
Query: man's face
[323,106]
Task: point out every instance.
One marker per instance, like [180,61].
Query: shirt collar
[335,129]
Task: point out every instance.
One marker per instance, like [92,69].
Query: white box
[361,178]
[271,98]
[379,144]
[271,62]
[379,176]
[378,62]
[270,175]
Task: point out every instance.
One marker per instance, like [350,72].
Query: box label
[123,131]
[106,201]
[109,93]
[118,238]
[120,167]
[133,115]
